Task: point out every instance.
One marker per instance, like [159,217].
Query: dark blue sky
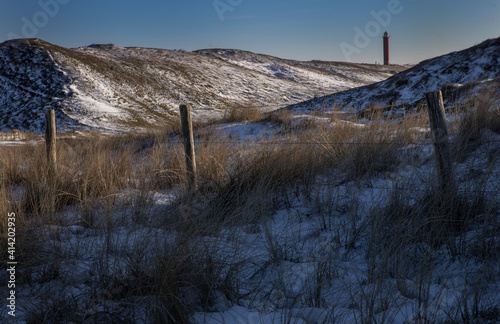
[340,30]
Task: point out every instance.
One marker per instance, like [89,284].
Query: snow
[18,142]
[93,112]
[246,131]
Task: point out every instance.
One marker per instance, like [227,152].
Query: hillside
[467,67]
[111,87]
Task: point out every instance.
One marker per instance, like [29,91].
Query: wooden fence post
[50,143]
[187,133]
[50,138]
[439,133]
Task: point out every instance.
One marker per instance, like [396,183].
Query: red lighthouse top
[386,48]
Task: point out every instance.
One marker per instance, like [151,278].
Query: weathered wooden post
[50,143]
[50,138]
[187,133]
[439,133]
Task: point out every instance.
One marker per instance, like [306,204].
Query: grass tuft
[243,114]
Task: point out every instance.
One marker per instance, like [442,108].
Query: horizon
[317,30]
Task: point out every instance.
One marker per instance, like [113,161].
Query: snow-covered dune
[469,66]
[111,87]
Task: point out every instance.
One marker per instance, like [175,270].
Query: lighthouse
[386,48]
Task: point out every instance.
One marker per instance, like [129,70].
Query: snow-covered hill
[111,87]
[468,67]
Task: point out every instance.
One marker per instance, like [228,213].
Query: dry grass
[259,180]
[241,184]
[364,150]
[16,135]
[473,118]
[281,117]
[434,224]
[242,114]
